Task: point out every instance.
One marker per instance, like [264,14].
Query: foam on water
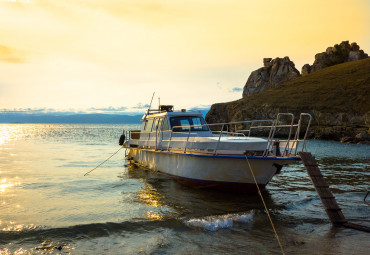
[214,223]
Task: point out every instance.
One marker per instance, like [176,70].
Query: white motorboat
[181,144]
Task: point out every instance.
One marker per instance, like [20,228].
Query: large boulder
[273,73]
[338,54]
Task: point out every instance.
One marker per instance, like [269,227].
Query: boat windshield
[183,123]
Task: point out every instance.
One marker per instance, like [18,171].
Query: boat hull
[226,172]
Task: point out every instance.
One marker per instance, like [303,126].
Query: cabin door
[158,131]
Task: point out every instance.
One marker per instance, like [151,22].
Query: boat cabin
[165,129]
[188,132]
[180,123]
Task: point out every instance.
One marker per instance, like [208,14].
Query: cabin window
[148,125]
[157,125]
[165,124]
[183,123]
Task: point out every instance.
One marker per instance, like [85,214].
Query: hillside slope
[338,97]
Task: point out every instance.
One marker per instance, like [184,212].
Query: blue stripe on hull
[225,156]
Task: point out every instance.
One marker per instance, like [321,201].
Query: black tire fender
[122,139]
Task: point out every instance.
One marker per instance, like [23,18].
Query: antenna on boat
[151,101]
[159,103]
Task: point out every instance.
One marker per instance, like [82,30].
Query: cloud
[200,107]
[129,48]
[109,109]
[141,106]
[11,55]
[51,111]
[37,110]
[236,89]
[138,109]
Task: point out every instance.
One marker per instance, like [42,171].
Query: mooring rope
[264,204]
[103,161]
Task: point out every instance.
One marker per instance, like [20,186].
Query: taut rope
[264,204]
[103,161]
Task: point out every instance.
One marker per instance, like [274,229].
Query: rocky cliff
[273,73]
[338,97]
[338,54]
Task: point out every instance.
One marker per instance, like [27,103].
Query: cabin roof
[199,114]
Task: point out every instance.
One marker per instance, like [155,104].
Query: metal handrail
[290,130]
[218,142]
[308,126]
[288,148]
[231,133]
[187,140]
[273,131]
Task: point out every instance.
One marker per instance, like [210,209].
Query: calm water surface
[48,206]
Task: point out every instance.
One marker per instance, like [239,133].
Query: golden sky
[78,54]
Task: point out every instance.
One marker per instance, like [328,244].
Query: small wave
[20,228]
[92,230]
[214,223]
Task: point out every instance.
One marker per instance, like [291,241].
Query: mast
[147,111]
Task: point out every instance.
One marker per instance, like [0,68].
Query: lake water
[48,206]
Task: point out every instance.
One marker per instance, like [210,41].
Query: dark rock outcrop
[337,97]
[275,72]
[344,127]
[306,69]
[338,54]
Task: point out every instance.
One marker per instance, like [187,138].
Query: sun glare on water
[5,184]
[9,132]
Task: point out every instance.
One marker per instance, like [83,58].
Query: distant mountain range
[72,118]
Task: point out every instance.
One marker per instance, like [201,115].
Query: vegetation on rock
[340,88]
[338,97]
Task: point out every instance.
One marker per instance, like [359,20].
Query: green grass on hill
[340,88]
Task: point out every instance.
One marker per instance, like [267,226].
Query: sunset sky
[84,55]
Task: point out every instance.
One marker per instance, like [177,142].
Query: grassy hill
[338,98]
[340,88]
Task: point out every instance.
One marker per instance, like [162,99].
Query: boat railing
[179,137]
[289,145]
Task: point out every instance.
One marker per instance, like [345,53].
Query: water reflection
[162,191]
[150,196]
[5,184]
[16,227]
[82,133]
[6,133]
[49,247]
[151,215]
